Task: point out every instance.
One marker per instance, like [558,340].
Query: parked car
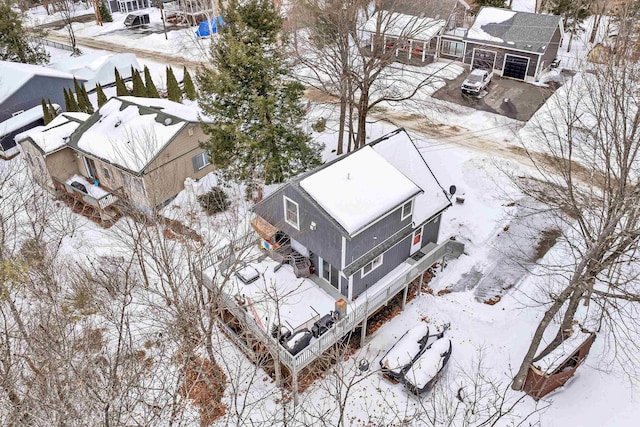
[476,82]
[136,20]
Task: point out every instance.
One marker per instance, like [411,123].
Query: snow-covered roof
[426,367]
[14,75]
[404,26]
[56,134]
[559,355]
[408,347]
[190,113]
[126,133]
[21,120]
[359,188]
[400,151]
[530,32]
[98,67]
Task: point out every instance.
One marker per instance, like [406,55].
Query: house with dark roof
[137,149]
[358,218]
[23,86]
[516,44]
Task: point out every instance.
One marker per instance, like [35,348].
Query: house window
[190,131]
[291,213]
[407,208]
[326,271]
[417,236]
[201,161]
[17,113]
[132,182]
[105,173]
[377,262]
[452,48]
[29,158]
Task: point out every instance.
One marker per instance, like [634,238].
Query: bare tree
[588,182]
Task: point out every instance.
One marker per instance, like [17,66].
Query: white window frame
[106,173]
[449,44]
[374,263]
[206,161]
[295,225]
[407,215]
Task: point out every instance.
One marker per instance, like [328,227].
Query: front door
[91,168]
[416,241]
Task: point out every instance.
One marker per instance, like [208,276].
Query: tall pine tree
[73,103]
[46,113]
[189,87]
[15,43]
[139,89]
[105,13]
[67,101]
[88,106]
[152,91]
[102,98]
[52,110]
[173,88]
[255,134]
[82,106]
[121,89]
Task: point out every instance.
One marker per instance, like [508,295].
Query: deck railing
[98,203]
[356,312]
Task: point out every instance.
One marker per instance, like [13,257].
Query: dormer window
[407,209]
[291,213]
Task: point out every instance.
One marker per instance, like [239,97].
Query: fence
[353,318]
[52,43]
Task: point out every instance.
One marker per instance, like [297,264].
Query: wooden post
[294,378]
[404,296]
[363,332]
[278,369]
[420,284]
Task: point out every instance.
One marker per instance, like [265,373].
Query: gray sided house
[22,86]
[358,217]
[518,45]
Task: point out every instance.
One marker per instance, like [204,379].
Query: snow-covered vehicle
[298,341]
[421,376]
[476,82]
[400,357]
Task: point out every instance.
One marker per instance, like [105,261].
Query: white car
[476,82]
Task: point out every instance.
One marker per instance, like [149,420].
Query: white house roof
[404,26]
[21,120]
[400,151]
[126,134]
[14,75]
[359,188]
[190,113]
[98,67]
[56,134]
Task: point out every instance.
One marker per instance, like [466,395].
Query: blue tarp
[209,27]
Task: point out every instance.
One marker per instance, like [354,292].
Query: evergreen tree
[73,103]
[52,110]
[173,88]
[67,101]
[573,13]
[105,13]
[85,100]
[253,102]
[82,106]
[121,89]
[152,91]
[46,113]
[139,89]
[15,45]
[102,98]
[189,87]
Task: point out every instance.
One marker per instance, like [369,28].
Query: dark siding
[431,231]
[375,235]
[325,241]
[391,259]
[533,58]
[552,50]
[31,93]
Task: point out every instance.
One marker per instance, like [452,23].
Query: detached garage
[517,45]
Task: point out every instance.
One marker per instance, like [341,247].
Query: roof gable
[14,75]
[55,135]
[531,32]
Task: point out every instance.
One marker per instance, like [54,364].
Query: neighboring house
[22,86]
[359,217]
[419,30]
[518,45]
[139,149]
[126,6]
[99,68]
[18,124]
[45,147]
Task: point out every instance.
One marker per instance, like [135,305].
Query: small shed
[556,368]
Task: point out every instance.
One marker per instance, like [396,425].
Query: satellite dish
[167,121]
[452,190]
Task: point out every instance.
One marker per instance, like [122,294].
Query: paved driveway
[523,99]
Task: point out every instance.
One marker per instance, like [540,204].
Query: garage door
[484,59]
[515,67]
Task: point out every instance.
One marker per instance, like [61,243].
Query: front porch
[97,203]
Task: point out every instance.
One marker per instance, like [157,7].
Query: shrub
[214,201]
[320,125]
